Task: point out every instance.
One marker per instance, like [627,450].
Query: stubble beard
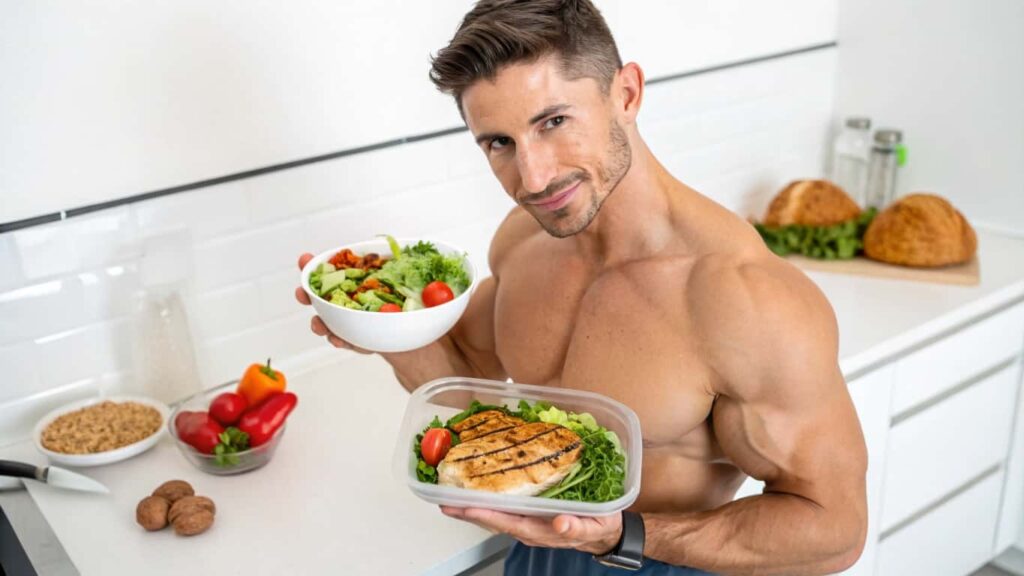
[562,223]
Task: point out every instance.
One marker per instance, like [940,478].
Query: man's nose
[537,167]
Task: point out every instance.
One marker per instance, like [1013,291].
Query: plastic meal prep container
[446,397]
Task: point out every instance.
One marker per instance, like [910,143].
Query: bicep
[783,413]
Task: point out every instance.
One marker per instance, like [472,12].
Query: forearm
[438,360]
[769,534]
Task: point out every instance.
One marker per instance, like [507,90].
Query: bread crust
[811,203]
[920,230]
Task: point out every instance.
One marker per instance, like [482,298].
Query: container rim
[477,498]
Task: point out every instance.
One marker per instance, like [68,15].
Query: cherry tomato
[227,408]
[389,307]
[435,445]
[436,293]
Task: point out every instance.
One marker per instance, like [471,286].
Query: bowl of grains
[100,430]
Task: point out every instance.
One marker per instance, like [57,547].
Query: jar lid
[888,136]
[858,122]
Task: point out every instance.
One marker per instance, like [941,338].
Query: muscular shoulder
[517,227]
[760,319]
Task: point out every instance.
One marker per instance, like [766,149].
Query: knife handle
[21,470]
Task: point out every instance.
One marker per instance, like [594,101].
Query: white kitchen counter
[881,318]
[328,502]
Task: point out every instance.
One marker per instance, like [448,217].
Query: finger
[304,259]
[523,527]
[452,511]
[318,327]
[338,342]
[301,296]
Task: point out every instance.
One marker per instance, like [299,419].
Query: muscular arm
[469,348]
[783,415]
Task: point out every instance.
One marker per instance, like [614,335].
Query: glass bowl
[236,463]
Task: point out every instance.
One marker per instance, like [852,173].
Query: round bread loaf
[921,230]
[811,203]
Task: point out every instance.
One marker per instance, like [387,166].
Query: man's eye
[500,142]
[554,121]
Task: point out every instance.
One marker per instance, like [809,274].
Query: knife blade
[52,475]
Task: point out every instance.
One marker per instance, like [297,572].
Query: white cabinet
[947,363]
[1011,518]
[871,394]
[952,540]
[933,453]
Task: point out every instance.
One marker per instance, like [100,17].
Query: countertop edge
[935,329]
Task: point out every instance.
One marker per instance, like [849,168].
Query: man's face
[554,144]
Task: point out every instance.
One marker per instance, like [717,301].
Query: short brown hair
[497,33]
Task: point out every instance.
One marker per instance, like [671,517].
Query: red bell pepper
[262,421]
[199,430]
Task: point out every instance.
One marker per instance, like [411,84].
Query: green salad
[837,242]
[413,277]
[598,476]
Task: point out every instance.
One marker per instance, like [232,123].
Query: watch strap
[629,552]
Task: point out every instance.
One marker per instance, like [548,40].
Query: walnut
[173,490]
[190,504]
[151,513]
[192,522]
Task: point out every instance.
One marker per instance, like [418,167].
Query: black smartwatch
[629,552]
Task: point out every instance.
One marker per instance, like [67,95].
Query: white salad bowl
[389,332]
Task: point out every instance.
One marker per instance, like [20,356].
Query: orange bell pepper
[260,382]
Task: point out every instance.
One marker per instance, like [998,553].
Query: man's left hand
[593,535]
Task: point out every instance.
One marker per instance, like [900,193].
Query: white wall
[950,73]
[65,315]
[107,99]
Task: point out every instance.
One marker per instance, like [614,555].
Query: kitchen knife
[52,475]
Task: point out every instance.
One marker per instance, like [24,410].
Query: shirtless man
[614,277]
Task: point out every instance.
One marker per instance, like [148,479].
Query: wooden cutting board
[967,274]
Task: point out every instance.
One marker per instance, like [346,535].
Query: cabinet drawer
[942,365]
[940,449]
[954,539]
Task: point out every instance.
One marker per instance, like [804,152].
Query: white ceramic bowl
[394,332]
[110,456]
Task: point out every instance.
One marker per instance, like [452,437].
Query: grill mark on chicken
[519,454]
[552,456]
[525,460]
[484,424]
[485,434]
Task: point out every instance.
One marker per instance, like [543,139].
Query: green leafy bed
[838,242]
[406,273]
[598,476]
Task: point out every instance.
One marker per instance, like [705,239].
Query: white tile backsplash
[66,289]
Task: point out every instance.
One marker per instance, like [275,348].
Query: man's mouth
[560,199]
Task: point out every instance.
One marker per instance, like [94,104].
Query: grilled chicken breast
[484,423]
[524,460]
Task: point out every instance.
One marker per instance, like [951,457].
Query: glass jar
[850,156]
[885,162]
[164,359]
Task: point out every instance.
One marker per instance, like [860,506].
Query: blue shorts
[526,560]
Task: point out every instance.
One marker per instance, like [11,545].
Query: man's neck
[636,220]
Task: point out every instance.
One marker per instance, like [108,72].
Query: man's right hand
[316,324]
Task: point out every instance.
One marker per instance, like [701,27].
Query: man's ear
[629,88]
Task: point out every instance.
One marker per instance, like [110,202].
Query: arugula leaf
[840,241]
